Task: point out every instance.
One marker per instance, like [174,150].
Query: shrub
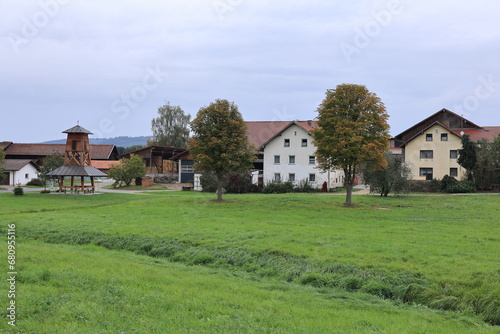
[461,187]
[36,182]
[304,187]
[447,182]
[45,192]
[278,187]
[236,183]
[18,191]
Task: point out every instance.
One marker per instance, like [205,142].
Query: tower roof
[78,129]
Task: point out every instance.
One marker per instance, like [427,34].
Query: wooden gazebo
[77,162]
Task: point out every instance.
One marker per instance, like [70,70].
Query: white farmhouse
[19,171]
[289,155]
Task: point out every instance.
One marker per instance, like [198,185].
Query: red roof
[261,132]
[489,133]
[104,164]
[98,152]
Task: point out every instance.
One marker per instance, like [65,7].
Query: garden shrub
[278,187]
[461,187]
[18,191]
[36,182]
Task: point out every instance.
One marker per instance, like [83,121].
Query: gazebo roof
[77,171]
[78,129]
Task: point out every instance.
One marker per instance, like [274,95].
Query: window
[287,143]
[427,172]
[187,169]
[277,177]
[426,154]
[291,159]
[291,177]
[444,137]
[304,143]
[454,172]
[453,154]
[276,159]
[428,137]
[312,177]
[73,145]
[26,176]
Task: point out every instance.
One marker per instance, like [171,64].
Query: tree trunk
[219,193]
[348,197]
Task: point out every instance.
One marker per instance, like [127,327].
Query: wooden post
[61,183]
[83,184]
[92,182]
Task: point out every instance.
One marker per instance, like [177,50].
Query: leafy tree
[467,156]
[484,170]
[496,153]
[170,128]
[352,130]
[127,170]
[394,176]
[219,143]
[50,163]
[2,161]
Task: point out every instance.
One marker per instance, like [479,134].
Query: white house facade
[289,156]
[19,171]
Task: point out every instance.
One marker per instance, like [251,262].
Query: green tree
[353,130]
[394,176]
[171,127]
[50,163]
[127,170]
[219,143]
[467,156]
[484,170]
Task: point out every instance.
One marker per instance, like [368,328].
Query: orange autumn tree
[219,143]
[352,130]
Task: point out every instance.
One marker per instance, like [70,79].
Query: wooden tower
[77,152]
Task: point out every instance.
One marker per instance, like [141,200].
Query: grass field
[177,262]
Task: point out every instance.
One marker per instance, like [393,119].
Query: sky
[109,65]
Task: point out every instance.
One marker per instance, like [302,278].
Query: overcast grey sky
[111,64]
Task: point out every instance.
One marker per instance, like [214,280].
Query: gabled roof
[16,164]
[156,148]
[97,152]
[445,117]
[427,128]
[260,133]
[77,129]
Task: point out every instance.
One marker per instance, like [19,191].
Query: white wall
[19,177]
[301,168]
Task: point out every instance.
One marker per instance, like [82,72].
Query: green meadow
[178,262]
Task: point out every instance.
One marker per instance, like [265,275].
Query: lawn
[416,264]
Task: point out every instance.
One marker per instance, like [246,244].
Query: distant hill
[118,141]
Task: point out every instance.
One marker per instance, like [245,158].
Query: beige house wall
[441,163]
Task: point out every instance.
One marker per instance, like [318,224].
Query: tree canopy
[353,129]
[467,156]
[171,127]
[127,170]
[50,163]
[219,143]
[394,176]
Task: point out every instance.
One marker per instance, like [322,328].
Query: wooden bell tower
[77,152]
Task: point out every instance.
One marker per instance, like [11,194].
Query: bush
[45,192]
[461,187]
[305,187]
[278,187]
[36,182]
[447,182]
[18,191]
